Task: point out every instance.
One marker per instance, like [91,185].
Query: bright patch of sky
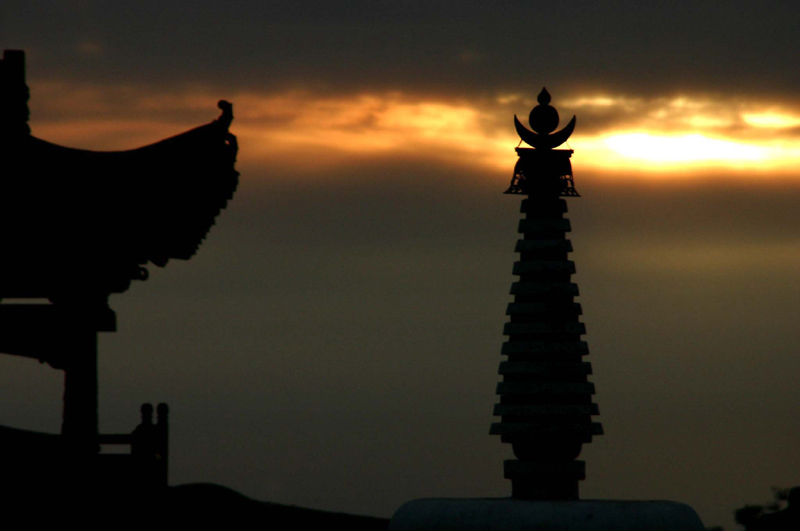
[648,136]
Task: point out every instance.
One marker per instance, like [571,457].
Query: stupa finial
[543,170]
[544,120]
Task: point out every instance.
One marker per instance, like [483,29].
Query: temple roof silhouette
[79,224]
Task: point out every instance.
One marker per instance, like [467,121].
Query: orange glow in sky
[683,148]
[772,120]
[659,154]
[653,137]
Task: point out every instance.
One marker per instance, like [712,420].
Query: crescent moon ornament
[544,141]
[543,120]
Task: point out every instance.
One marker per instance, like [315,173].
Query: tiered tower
[545,404]
[545,398]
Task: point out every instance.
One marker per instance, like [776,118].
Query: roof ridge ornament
[226,117]
[544,120]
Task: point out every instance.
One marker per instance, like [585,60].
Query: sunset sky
[334,344]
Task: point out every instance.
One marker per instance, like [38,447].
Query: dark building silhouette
[545,398]
[75,227]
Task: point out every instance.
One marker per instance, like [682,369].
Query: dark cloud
[625,47]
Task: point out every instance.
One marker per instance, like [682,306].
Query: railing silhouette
[66,339]
[31,458]
[146,466]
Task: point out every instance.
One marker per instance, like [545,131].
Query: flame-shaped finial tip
[544,97]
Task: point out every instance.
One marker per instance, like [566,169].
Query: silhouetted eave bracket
[37,331]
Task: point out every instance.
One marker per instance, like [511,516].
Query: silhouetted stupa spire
[545,406]
[545,399]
